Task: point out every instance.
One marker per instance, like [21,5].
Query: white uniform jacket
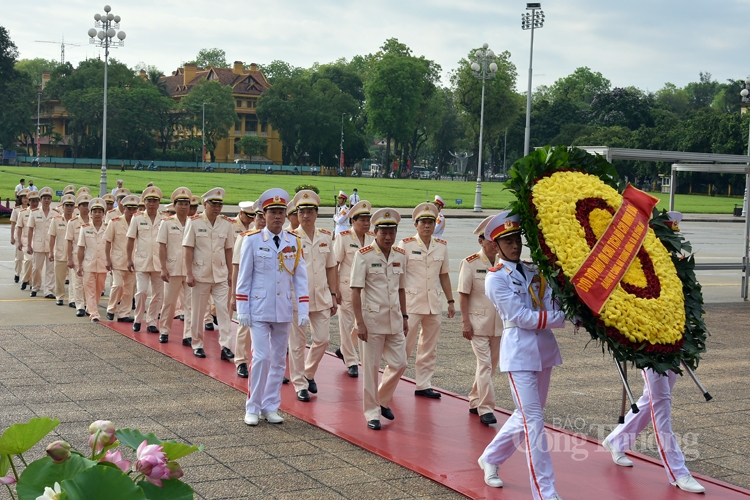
[341,218]
[528,344]
[264,285]
[439,226]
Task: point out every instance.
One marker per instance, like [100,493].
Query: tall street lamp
[38,110]
[530,21]
[485,69]
[745,93]
[106,37]
[203,138]
[341,148]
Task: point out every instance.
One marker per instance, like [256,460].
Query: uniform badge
[354,245]
[396,264]
[377,265]
[482,271]
[416,252]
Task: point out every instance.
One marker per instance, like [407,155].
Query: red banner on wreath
[610,258]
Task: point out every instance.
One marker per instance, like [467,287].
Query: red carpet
[440,440]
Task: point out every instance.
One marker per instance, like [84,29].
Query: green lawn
[381,192]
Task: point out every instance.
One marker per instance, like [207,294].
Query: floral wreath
[566,200]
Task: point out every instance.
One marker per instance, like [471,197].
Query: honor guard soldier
[271,266]
[243,343]
[58,247]
[143,258]
[71,235]
[208,245]
[655,407]
[22,238]
[481,324]
[116,250]
[345,246]
[440,220]
[322,284]
[172,263]
[22,195]
[43,275]
[341,213]
[426,280]
[528,351]
[92,259]
[379,303]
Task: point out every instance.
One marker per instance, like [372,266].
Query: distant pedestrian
[32,187]
[21,185]
[119,185]
[354,198]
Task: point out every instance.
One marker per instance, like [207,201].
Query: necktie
[276,240]
[519,267]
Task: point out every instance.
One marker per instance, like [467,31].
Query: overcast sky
[635,42]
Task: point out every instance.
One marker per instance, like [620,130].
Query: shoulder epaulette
[472,258]
[346,232]
[409,239]
[115,219]
[399,250]
[249,232]
[140,212]
[57,216]
[441,241]
[371,233]
[497,267]
[366,249]
[112,210]
[227,218]
[193,217]
[86,224]
[325,231]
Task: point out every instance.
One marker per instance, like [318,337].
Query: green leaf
[174,489]
[44,472]
[175,450]
[132,438]
[102,482]
[4,464]
[20,438]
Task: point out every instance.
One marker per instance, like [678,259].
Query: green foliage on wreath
[306,186]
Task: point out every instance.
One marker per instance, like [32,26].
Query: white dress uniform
[43,276]
[528,351]
[440,221]
[22,244]
[344,248]
[271,266]
[92,241]
[123,280]
[341,215]
[71,234]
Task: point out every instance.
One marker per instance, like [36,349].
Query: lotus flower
[175,471]
[59,451]
[9,479]
[103,432]
[51,493]
[115,457]
[152,463]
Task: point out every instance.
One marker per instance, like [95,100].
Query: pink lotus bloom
[104,433]
[175,471]
[9,479]
[59,451]
[152,463]
[115,457]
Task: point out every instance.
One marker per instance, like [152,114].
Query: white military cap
[83,198]
[439,201]
[480,228]
[362,207]
[502,225]
[109,197]
[23,192]
[385,217]
[33,195]
[306,198]
[131,201]
[68,199]
[122,192]
[97,203]
[83,190]
[343,195]
[248,207]
[181,193]
[291,208]
[424,211]
[151,192]
[195,201]
[216,194]
[274,197]
[45,191]
[69,189]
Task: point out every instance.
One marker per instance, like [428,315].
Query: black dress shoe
[374,425]
[353,371]
[49,296]
[488,418]
[188,342]
[152,329]
[199,352]
[24,285]
[387,413]
[15,279]
[216,321]
[67,282]
[209,327]
[427,393]
[163,339]
[126,319]
[311,385]
[303,395]
[133,306]
[339,354]
[473,411]
[226,353]
[95,320]
[181,317]
[110,316]
[284,380]
[32,294]
[242,370]
[58,302]
[80,313]
[72,304]
[136,327]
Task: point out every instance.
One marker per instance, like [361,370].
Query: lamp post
[38,110]
[203,138]
[485,69]
[341,148]
[530,21]
[745,93]
[106,37]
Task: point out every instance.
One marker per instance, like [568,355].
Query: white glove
[303,319]
[244,319]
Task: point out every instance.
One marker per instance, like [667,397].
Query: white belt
[509,324]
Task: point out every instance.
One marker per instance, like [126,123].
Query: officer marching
[59,249]
[71,235]
[242,346]
[123,280]
[92,261]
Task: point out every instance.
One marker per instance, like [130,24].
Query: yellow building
[247,87]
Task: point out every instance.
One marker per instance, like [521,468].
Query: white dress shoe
[273,418]
[490,474]
[251,419]
[617,456]
[688,483]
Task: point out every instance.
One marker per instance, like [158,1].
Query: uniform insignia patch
[322,245]
[202,230]
[441,241]
[396,264]
[365,249]
[249,232]
[196,216]
[377,264]
[472,258]
[325,231]
[371,233]
[264,249]
[400,250]
[409,239]
[497,267]
[346,232]
[482,271]
[416,252]
[353,245]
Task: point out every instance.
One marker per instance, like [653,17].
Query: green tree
[579,87]
[17,95]
[451,129]
[672,98]
[253,145]
[621,107]
[35,67]
[277,69]
[220,111]
[702,92]
[210,57]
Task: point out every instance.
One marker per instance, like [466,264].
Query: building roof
[249,82]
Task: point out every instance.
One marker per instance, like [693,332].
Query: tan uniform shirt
[319,256]
[14,214]
[344,248]
[425,265]
[57,228]
[40,223]
[94,244]
[171,233]
[146,250]
[380,279]
[71,232]
[209,243]
[23,223]
[238,227]
[111,214]
[117,235]
[483,316]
